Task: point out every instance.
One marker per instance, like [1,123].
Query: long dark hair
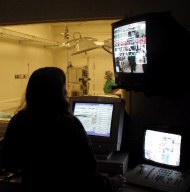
[46,91]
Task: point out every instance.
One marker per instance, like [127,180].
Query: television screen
[102,118]
[95,117]
[130,52]
[162,147]
[146,53]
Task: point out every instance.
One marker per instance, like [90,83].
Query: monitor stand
[104,155]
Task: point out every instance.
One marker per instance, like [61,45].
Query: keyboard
[158,178]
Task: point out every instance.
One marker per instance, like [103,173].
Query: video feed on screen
[95,117]
[130,50]
[162,147]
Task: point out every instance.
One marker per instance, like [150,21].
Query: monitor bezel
[103,144]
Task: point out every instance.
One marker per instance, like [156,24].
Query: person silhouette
[132,62]
[47,143]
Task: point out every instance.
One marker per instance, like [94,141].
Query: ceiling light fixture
[78,44]
[82,44]
[108,45]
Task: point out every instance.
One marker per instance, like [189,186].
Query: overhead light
[83,45]
[78,44]
[108,45]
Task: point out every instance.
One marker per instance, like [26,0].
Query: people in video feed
[130,48]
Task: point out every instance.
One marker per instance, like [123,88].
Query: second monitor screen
[95,117]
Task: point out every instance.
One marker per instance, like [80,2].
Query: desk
[9,187]
[132,189]
[9,182]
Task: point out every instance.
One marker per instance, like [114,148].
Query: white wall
[18,58]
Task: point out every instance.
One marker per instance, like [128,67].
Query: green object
[108,86]
[5,115]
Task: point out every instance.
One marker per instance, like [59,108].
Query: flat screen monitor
[102,118]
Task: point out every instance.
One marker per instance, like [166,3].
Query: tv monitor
[146,52]
[163,148]
[102,118]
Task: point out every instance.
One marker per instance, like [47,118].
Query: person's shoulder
[19,115]
[17,121]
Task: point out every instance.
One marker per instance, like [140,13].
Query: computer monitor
[146,53]
[102,118]
[162,147]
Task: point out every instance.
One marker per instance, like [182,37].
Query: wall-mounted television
[147,54]
[102,118]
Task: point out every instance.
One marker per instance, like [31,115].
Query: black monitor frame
[161,75]
[106,144]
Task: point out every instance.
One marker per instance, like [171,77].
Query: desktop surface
[130,188]
[9,187]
